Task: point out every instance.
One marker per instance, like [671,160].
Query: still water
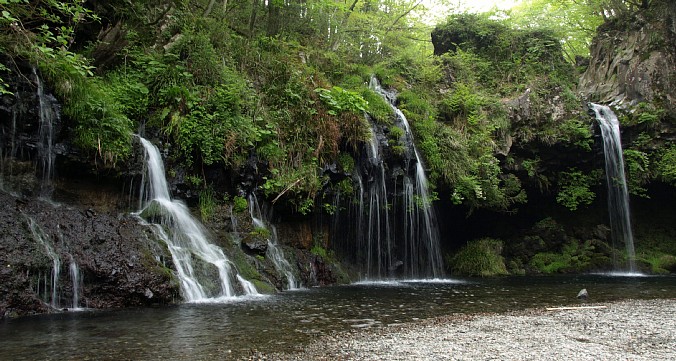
[286,321]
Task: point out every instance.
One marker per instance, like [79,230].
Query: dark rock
[77,234]
[255,245]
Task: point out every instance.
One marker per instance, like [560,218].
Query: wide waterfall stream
[288,320]
[198,261]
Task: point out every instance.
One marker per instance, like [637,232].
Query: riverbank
[626,330]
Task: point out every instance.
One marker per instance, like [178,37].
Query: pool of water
[284,321]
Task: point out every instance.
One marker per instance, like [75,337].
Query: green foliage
[666,165]
[261,232]
[4,87]
[340,100]
[240,204]
[320,251]
[463,104]
[480,257]
[101,127]
[637,165]
[574,188]
[44,31]
[660,263]
[575,256]
[207,203]
[577,132]
[346,162]
[549,262]
[573,22]
[345,187]
[377,108]
[645,114]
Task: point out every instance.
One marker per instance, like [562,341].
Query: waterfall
[76,281]
[205,273]
[422,255]
[45,146]
[40,237]
[618,197]
[273,252]
[396,229]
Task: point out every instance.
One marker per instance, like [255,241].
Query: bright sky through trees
[440,9]
[484,5]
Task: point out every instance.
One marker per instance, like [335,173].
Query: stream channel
[286,321]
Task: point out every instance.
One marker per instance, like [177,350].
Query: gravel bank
[627,330]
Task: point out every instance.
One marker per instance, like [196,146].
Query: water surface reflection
[280,322]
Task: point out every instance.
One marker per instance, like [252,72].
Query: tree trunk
[273,19]
[252,18]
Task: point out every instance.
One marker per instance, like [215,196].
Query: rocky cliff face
[633,60]
[120,262]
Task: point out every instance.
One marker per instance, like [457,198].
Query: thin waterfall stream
[274,251]
[204,271]
[45,146]
[618,196]
[40,237]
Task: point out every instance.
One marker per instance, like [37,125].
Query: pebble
[627,330]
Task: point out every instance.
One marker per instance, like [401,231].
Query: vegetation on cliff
[278,91]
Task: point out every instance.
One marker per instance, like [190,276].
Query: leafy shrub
[480,257]
[101,127]
[339,100]
[575,189]
[637,165]
[240,204]
[666,164]
[574,256]
[550,262]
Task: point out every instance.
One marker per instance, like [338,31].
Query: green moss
[480,257]
[263,287]
[246,267]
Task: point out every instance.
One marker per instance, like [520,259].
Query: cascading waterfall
[205,273]
[395,228]
[618,197]
[422,255]
[274,253]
